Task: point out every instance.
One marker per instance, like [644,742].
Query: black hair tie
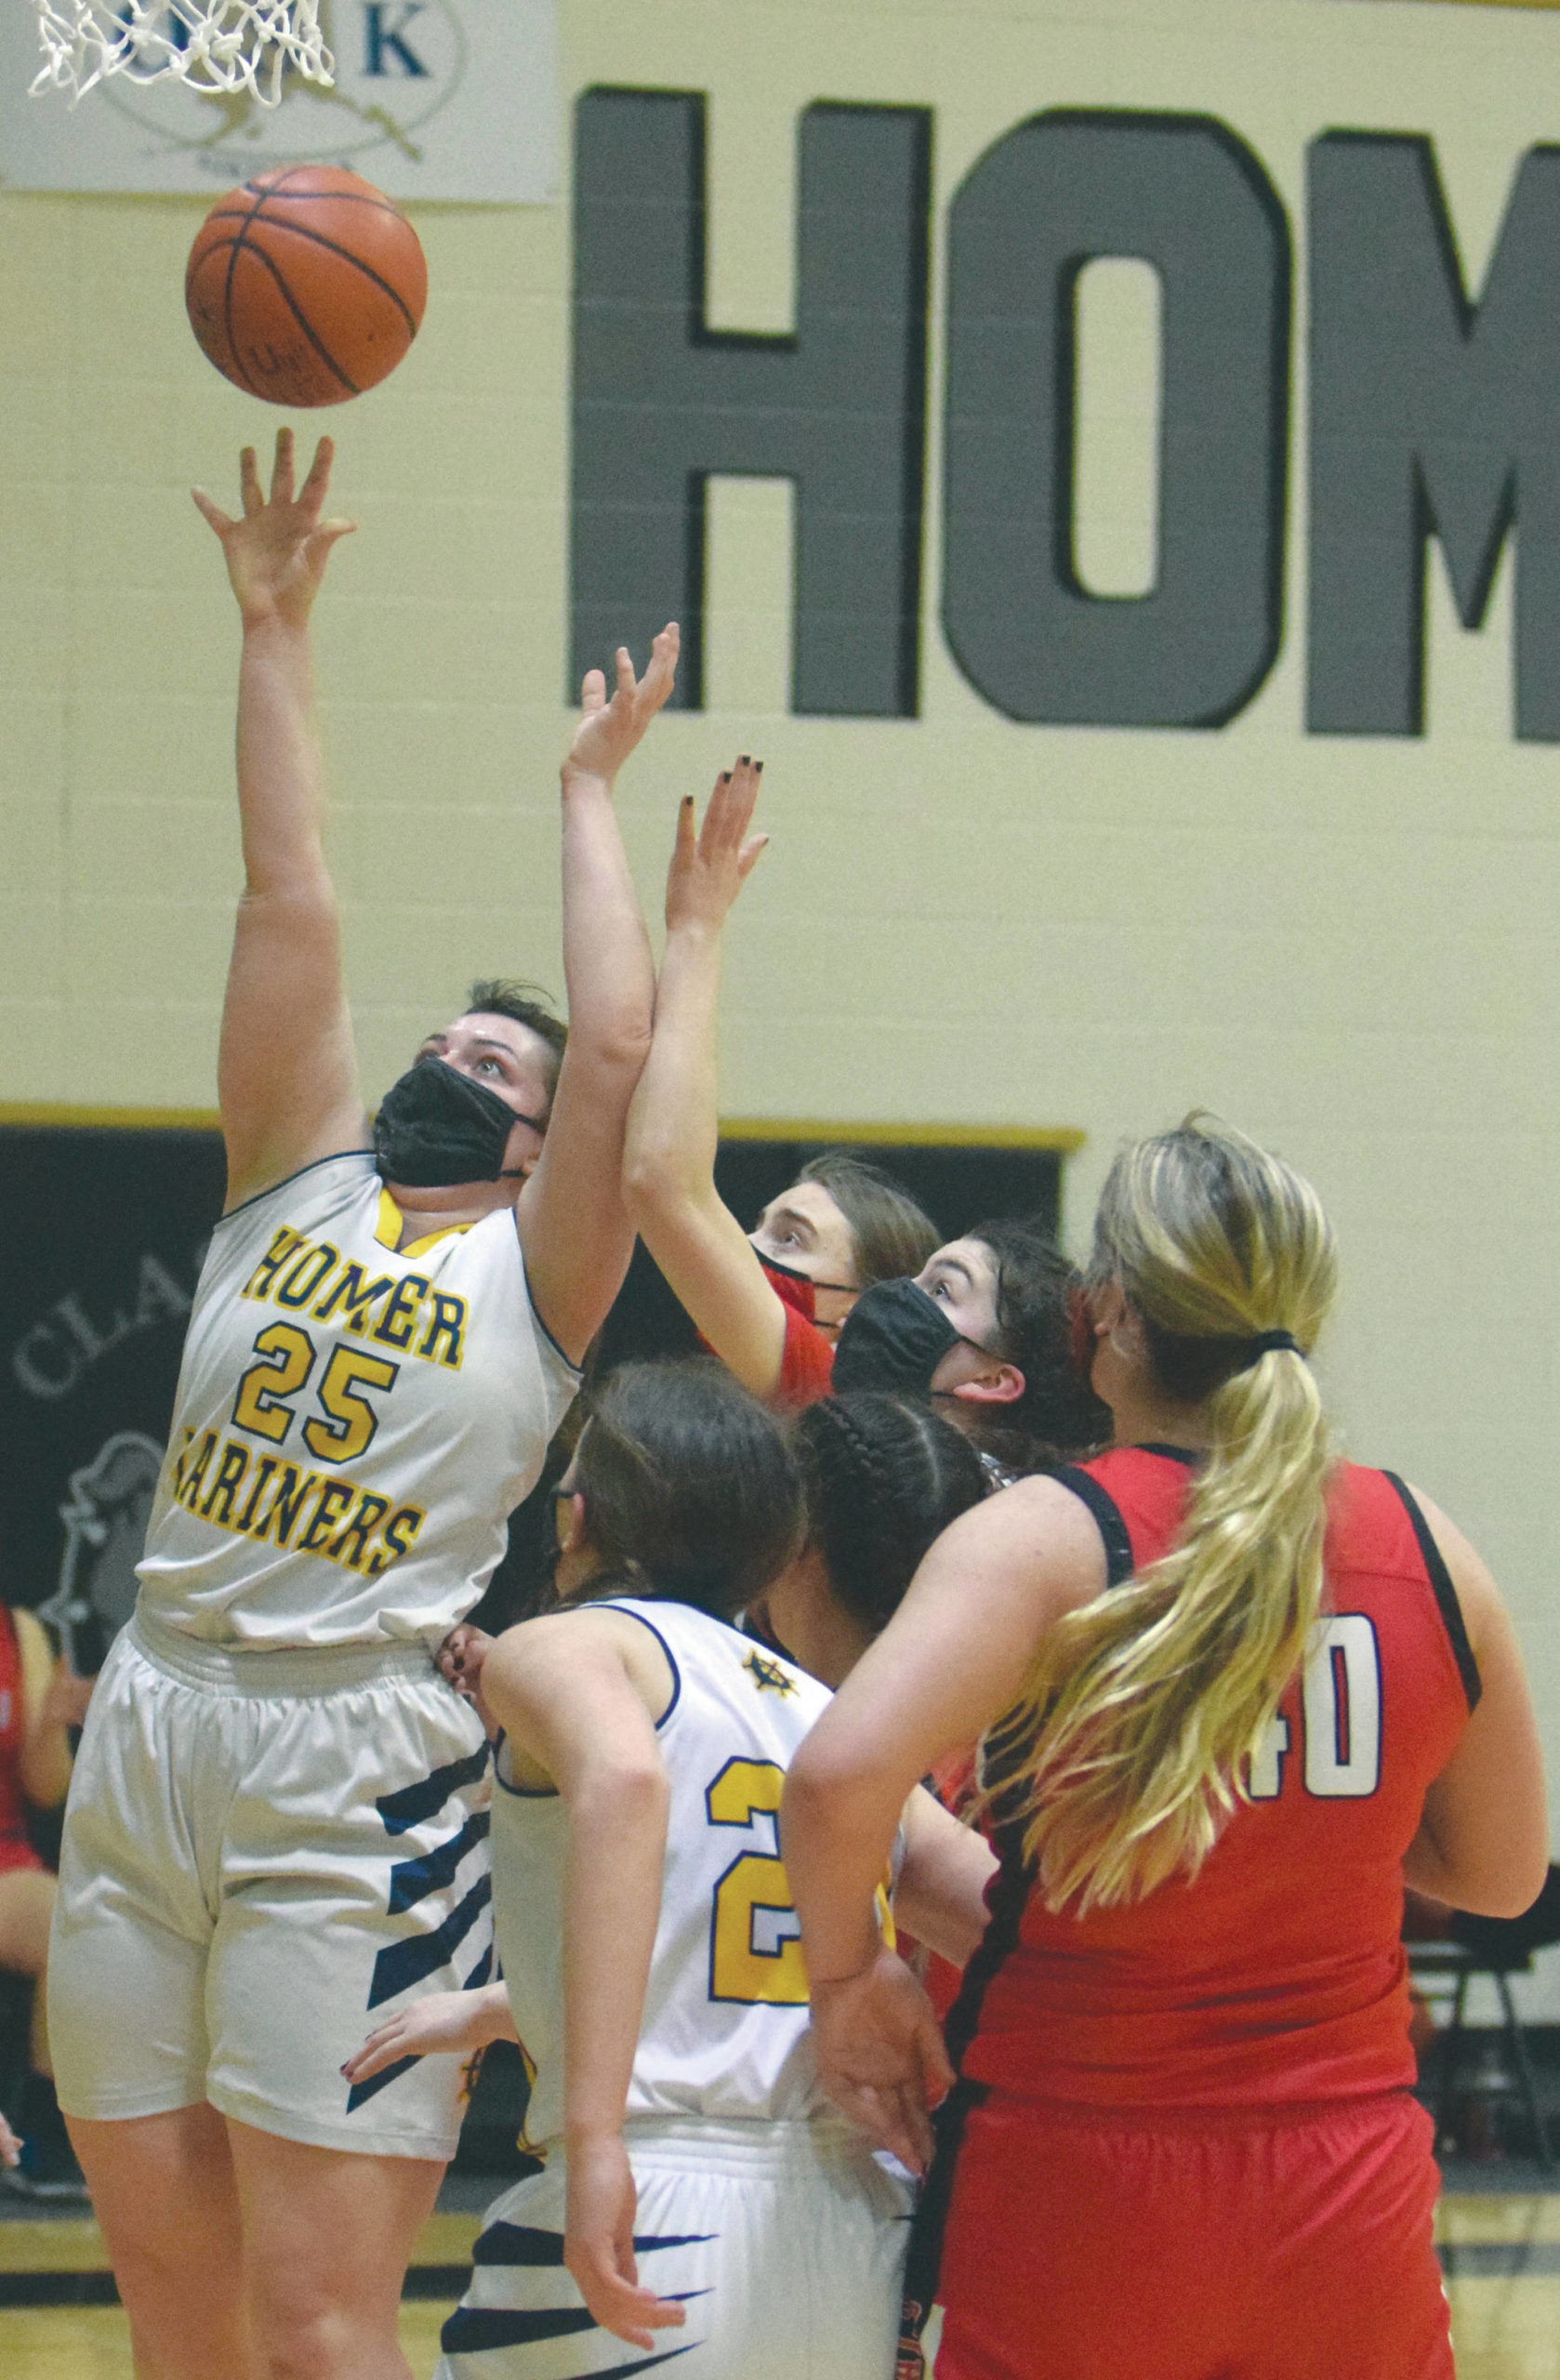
[1272,1343]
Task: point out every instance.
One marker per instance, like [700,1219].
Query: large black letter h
[660,401]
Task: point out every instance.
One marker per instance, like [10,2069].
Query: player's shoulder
[740,1665]
[304,1198]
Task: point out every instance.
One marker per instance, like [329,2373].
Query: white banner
[434,98]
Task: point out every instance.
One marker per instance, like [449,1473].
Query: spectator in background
[40,1699]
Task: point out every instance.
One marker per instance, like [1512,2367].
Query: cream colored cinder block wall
[1349,948]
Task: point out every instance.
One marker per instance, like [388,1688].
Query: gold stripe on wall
[1501,4]
[935,1136]
[123,1120]
[735,1127]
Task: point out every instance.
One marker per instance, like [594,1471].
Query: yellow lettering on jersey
[352,1292]
[195,1478]
[230,1471]
[369,1535]
[334,1498]
[448,1324]
[341,1288]
[266,1466]
[293,1491]
[371,1510]
[299,1282]
[756,1880]
[400,1530]
[399,1320]
[271,1264]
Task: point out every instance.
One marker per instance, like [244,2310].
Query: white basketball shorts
[786,2241]
[264,1854]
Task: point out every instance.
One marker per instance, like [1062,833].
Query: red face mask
[796,1289]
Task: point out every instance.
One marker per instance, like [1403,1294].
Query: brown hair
[524,1004]
[691,1491]
[1058,1417]
[891,1235]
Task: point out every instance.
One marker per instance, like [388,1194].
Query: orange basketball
[306,286]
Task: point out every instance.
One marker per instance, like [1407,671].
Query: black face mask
[436,1126]
[894,1337]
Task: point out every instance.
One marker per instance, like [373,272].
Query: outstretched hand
[276,552]
[599,2244]
[711,863]
[608,731]
[881,2057]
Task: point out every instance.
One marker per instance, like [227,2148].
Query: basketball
[306,286]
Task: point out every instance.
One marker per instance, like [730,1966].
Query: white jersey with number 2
[723,2034]
[354,1422]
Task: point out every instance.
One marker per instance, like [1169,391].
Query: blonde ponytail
[1131,1743]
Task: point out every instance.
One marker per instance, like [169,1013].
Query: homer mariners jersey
[725,2008]
[354,1423]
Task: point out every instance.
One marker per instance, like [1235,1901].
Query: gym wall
[1121,782]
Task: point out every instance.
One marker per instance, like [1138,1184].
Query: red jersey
[16,1851]
[1276,1977]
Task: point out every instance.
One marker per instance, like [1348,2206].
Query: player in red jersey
[769,1306]
[1234,1692]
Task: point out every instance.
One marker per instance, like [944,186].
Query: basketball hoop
[214,45]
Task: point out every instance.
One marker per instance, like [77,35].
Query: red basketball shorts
[1080,2246]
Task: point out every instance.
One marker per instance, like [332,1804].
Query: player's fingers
[659,678]
[313,489]
[625,678]
[249,486]
[592,692]
[379,2050]
[282,469]
[937,2074]
[222,522]
[747,777]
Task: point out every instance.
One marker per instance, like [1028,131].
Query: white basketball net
[222,45]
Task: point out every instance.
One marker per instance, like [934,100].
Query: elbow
[653,1191]
[630,1793]
[1511,1893]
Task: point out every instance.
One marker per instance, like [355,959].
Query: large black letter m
[1430,415]
[661,403]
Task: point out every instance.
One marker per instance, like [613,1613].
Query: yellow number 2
[753,1892]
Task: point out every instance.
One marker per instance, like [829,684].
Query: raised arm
[668,1171]
[1483,1843]
[570,1693]
[572,1227]
[286,1074]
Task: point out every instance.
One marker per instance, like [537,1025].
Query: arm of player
[1483,1843]
[442,2024]
[53,1699]
[668,1173]
[954,1656]
[286,1071]
[940,1895]
[577,1236]
[578,1696]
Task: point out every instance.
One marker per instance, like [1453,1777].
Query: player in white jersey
[279,1808]
[650,1956]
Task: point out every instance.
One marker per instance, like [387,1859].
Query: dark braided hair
[884,1477]
[691,1490]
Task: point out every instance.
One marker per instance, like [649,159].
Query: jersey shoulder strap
[1136,1494]
[1442,1587]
